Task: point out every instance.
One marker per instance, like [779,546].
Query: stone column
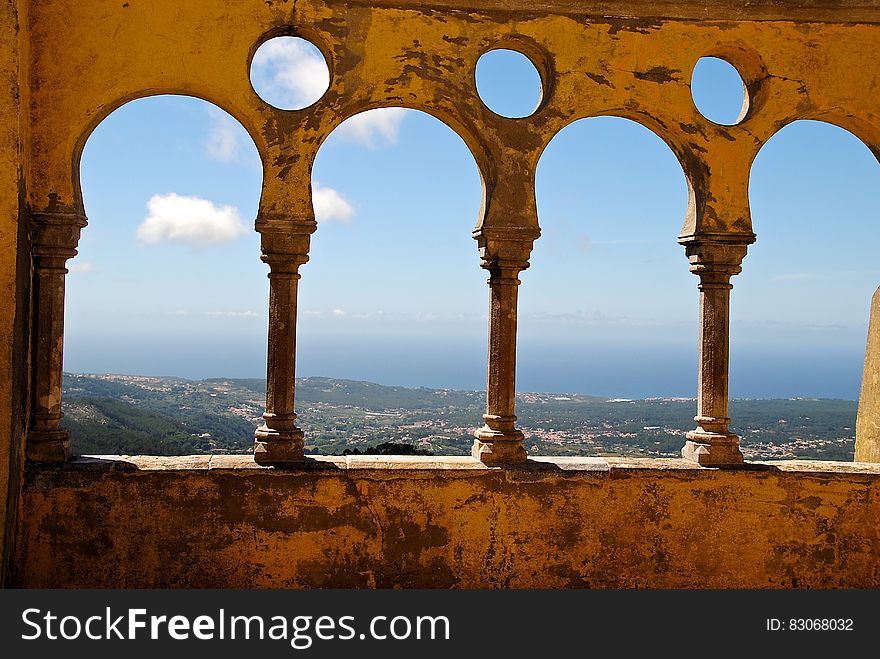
[712,444]
[54,238]
[285,248]
[504,253]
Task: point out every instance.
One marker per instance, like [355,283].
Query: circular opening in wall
[508,83]
[719,92]
[289,73]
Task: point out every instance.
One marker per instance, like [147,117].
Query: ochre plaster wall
[70,63]
[14,271]
[89,57]
[449,522]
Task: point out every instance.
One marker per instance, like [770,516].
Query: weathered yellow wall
[449,522]
[89,57]
[13,308]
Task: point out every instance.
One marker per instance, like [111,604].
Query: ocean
[624,369]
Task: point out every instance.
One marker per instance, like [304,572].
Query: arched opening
[393,294]
[168,288]
[608,326]
[800,316]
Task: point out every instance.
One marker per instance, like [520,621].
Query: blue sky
[169,281]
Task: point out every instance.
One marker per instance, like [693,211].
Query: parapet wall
[447,522]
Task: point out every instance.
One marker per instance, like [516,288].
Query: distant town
[129,414]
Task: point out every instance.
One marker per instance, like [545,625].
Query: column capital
[717,237]
[285,224]
[284,241]
[281,263]
[716,259]
[505,251]
[55,235]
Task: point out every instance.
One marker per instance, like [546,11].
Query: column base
[494,447]
[712,449]
[48,445]
[278,447]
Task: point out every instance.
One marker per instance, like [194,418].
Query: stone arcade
[495,519]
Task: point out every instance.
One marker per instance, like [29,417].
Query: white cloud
[224,136]
[232,314]
[338,312]
[177,312]
[190,220]
[330,205]
[373,127]
[81,267]
[289,73]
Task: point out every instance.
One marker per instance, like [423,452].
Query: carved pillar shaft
[712,443]
[501,380]
[279,441]
[55,236]
[498,441]
[712,396]
[504,253]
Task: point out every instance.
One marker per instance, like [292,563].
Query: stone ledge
[448,463]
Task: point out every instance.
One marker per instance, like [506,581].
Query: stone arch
[686,156]
[867,132]
[452,129]
[815,254]
[243,119]
[286,189]
[457,123]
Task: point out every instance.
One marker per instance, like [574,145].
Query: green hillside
[167,416]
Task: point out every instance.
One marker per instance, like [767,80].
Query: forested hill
[164,415]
